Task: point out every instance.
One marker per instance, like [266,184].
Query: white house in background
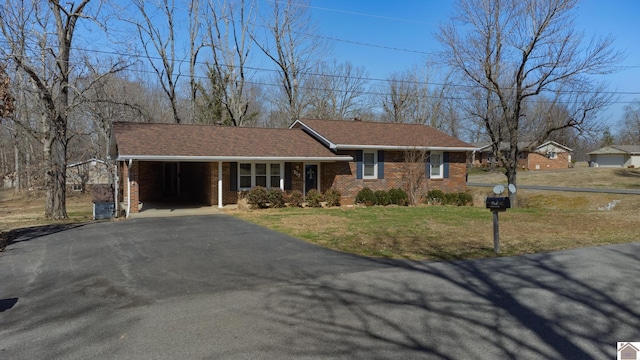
[88,172]
[616,156]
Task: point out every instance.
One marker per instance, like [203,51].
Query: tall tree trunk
[16,159]
[55,151]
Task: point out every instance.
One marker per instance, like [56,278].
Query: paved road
[214,287]
[564,188]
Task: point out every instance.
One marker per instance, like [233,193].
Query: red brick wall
[535,161]
[342,175]
[150,179]
[146,184]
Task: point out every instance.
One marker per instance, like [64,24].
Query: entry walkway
[174,208]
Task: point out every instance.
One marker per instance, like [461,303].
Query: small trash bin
[103,210]
[103,205]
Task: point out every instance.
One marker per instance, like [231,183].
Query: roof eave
[403,148]
[326,142]
[233,158]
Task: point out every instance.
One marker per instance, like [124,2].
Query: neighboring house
[616,156]
[88,172]
[214,164]
[548,156]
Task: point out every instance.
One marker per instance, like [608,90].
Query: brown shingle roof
[136,140]
[366,133]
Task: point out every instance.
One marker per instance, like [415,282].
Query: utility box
[498,203]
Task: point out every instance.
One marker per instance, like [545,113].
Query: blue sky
[411,24]
[386,36]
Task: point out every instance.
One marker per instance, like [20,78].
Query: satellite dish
[512,188]
[498,189]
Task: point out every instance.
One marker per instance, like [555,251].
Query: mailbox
[498,203]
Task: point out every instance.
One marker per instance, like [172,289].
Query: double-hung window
[275,175]
[370,164]
[261,174]
[435,168]
[245,176]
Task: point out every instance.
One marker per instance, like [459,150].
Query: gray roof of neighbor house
[350,134]
[617,149]
[177,142]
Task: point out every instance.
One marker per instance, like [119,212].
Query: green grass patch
[448,232]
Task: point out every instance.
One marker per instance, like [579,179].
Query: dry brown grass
[544,221]
[615,178]
[27,209]
[447,232]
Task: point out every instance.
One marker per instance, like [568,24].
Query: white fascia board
[388,147]
[231,158]
[315,134]
[555,144]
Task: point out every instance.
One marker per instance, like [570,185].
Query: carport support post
[496,232]
[220,184]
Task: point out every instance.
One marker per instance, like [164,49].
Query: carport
[184,166]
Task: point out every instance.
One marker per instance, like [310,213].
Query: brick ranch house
[213,165]
[547,156]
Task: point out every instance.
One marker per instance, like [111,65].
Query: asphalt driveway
[211,287]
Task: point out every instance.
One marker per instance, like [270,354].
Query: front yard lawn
[448,232]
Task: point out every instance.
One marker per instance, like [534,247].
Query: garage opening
[173,185]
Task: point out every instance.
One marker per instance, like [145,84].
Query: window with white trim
[267,175]
[436,165]
[244,176]
[275,175]
[370,164]
[261,175]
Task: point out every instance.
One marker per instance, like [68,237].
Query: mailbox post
[497,205]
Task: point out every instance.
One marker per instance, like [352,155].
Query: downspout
[116,180]
[220,205]
[128,188]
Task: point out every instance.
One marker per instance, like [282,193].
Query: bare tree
[414,96]
[514,51]
[195,45]
[414,178]
[25,34]
[291,44]
[159,45]
[230,25]
[336,91]
[630,125]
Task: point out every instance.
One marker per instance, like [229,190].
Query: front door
[170,184]
[310,177]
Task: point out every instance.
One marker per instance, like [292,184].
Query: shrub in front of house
[382,198]
[332,197]
[458,199]
[398,196]
[435,197]
[258,198]
[366,197]
[276,198]
[295,198]
[314,198]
